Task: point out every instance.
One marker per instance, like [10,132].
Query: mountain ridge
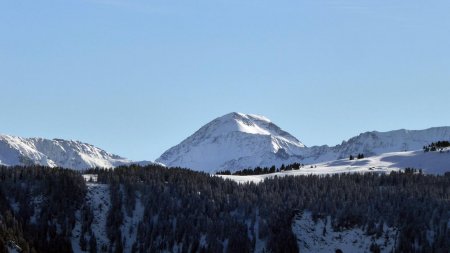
[372,143]
[232,142]
[56,152]
[195,152]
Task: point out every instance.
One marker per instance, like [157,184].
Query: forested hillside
[37,207]
[186,211]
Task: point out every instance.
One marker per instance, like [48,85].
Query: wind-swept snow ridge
[57,152]
[234,141]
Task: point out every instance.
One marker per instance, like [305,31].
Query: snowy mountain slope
[376,143]
[430,163]
[234,141]
[57,152]
[238,141]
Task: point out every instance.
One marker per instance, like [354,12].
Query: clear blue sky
[136,77]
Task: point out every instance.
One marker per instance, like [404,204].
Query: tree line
[261,171]
[435,146]
[359,156]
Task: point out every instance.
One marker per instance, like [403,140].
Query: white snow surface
[90,178]
[234,141]
[55,153]
[377,143]
[430,163]
[311,237]
[239,141]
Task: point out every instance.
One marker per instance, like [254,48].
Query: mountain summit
[234,141]
[238,141]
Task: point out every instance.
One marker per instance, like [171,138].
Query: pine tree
[92,244]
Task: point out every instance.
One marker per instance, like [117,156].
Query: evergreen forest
[187,211]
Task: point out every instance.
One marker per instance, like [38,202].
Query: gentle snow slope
[430,162]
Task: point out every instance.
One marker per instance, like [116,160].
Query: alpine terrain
[239,141]
[55,153]
[235,141]
[377,143]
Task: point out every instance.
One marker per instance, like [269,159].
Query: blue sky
[137,77]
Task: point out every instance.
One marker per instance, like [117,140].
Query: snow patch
[319,236]
[36,202]
[90,178]
[130,225]
[98,198]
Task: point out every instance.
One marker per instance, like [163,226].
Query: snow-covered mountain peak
[57,152]
[234,141]
[237,141]
[236,122]
[247,123]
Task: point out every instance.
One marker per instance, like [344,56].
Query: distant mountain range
[232,142]
[376,143]
[238,141]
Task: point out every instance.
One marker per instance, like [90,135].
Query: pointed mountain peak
[234,141]
[243,116]
[246,123]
